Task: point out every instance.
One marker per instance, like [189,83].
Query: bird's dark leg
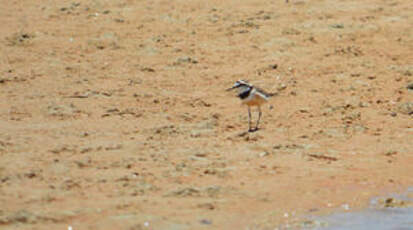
[259,117]
[249,119]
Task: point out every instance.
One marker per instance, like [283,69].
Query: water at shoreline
[386,219]
[394,212]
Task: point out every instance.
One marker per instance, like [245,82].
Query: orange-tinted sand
[114,114]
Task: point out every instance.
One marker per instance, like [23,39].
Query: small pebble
[205,221]
[410,86]
[346,206]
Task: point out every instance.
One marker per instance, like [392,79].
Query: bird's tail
[273,94]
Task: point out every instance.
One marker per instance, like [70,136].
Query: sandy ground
[114,114]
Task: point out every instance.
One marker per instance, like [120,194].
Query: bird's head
[240,84]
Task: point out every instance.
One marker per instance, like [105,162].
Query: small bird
[251,96]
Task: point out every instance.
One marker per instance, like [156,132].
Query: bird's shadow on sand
[243,134]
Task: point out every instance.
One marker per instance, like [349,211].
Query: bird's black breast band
[245,94]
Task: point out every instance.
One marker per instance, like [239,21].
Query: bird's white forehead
[241,82]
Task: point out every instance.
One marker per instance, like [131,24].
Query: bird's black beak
[231,88]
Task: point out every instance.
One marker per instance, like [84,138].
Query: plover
[251,96]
